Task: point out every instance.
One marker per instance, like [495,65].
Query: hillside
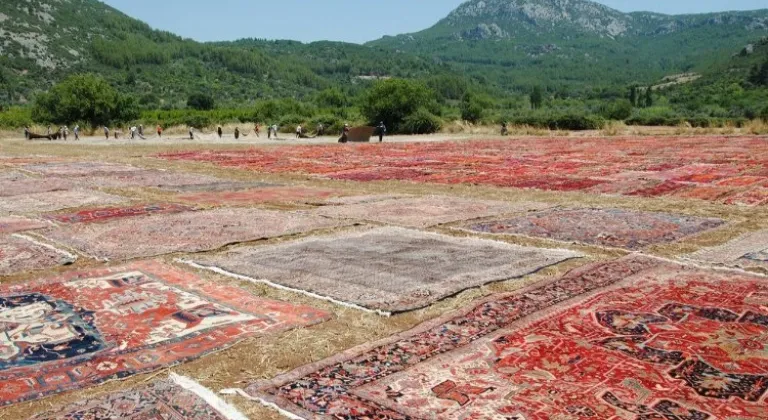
[577,44]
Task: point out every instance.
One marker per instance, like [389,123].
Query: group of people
[136,131]
[62,132]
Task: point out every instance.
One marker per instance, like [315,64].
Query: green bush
[16,117]
[395,100]
[421,122]
[198,121]
[618,110]
[201,102]
[564,121]
[472,110]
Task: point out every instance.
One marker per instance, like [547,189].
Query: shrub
[201,102]
[198,121]
[421,122]
[395,100]
[15,117]
[471,109]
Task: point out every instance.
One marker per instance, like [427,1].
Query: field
[385,279]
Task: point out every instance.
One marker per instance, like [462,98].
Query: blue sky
[340,20]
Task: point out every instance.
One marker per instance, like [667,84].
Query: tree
[201,102]
[537,97]
[394,100]
[84,97]
[633,96]
[649,97]
[471,108]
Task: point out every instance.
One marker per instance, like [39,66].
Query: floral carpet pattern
[19,224]
[386,269]
[161,234]
[20,254]
[634,338]
[616,228]
[87,327]
[256,196]
[58,200]
[421,212]
[112,213]
[161,400]
[747,251]
[725,170]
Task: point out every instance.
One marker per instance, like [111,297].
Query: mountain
[577,44]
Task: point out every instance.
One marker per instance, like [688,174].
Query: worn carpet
[24,186]
[420,212]
[76,169]
[387,269]
[57,200]
[19,224]
[747,251]
[617,228]
[220,186]
[183,232]
[256,196]
[176,398]
[84,328]
[111,213]
[635,338]
[364,199]
[19,254]
[146,178]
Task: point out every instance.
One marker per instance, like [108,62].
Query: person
[220,131]
[159,131]
[133,132]
[191,133]
[320,129]
[237,133]
[76,130]
[344,134]
[106,132]
[257,130]
[49,130]
[504,129]
[298,131]
[141,130]
[26,132]
[274,130]
[269,132]
[382,129]
[65,132]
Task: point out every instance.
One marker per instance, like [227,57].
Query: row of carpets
[726,170]
[633,338]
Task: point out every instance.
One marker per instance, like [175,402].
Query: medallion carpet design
[639,166]
[748,251]
[635,338]
[146,178]
[19,254]
[182,232]
[385,269]
[422,212]
[76,169]
[19,224]
[263,195]
[605,227]
[87,327]
[58,200]
[23,186]
[111,213]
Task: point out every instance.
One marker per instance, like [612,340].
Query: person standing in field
[65,132]
[191,133]
[344,134]
[220,131]
[274,130]
[26,132]
[320,129]
[141,130]
[106,132]
[237,133]
[298,131]
[382,129]
[257,130]
[49,130]
[159,131]
[76,130]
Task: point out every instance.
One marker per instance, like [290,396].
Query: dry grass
[261,358]
[614,128]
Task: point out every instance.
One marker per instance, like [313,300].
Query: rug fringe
[51,247]
[265,403]
[281,287]
[226,410]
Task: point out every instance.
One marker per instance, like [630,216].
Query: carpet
[183,232]
[747,251]
[87,327]
[146,178]
[24,186]
[420,212]
[615,228]
[11,175]
[57,200]
[111,213]
[386,270]
[19,254]
[256,196]
[219,186]
[176,398]
[364,199]
[76,169]
[665,165]
[19,224]
[634,338]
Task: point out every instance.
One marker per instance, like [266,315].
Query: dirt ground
[266,357]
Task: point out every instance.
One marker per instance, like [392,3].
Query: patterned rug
[420,212]
[605,227]
[177,398]
[58,200]
[78,168]
[263,195]
[747,251]
[111,213]
[220,186]
[84,328]
[388,269]
[19,254]
[19,224]
[23,186]
[147,178]
[183,232]
[635,338]
[364,199]
[11,175]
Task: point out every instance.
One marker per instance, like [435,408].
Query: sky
[341,20]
